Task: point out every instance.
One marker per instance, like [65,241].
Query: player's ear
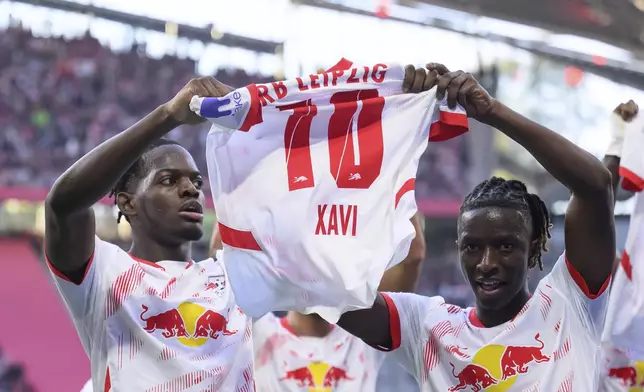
[125,203]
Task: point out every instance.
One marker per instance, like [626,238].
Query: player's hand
[421,79]
[627,111]
[179,106]
[462,88]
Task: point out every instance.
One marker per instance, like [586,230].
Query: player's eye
[167,180]
[198,183]
[507,247]
[469,247]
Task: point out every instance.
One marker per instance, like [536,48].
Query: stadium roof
[617,22]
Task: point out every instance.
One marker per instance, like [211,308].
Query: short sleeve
[591,308]
[407,315]
[632,162]
[446,123]
[85,301]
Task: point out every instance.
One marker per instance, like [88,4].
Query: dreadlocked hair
[498,192]
[136,172]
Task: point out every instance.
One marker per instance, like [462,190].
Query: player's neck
[153,251]
[494,317]
[308,324]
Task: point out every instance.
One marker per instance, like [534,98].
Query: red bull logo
[631,377]
[495,368]
[191,324]
[317,376]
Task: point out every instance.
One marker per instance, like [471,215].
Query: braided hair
[137,171]
[498,192]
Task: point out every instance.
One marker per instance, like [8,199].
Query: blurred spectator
[12,377]
[59,99]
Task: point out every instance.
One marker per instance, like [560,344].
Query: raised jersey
[338,362]
[166,326]
[313,181]
[623,337]
[551,345]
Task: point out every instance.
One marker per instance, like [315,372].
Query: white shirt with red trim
[623,337]
[338,362]
[167,326]
[552,345]
[313,179]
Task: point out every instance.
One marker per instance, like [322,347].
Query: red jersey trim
[342,65]
[254,115]
[408,186]
[108,381]
[448,126]
[394,324]
[474,319]
[581,283]
[62,276]
[627,266]
[287,326]
[238,238]
[631,181]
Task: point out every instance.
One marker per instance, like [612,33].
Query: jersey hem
[394,324]
[581,283]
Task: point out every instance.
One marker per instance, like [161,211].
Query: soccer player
[150,318]
[303,350]
[511,339]
[620,372]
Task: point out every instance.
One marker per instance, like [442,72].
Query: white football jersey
[623,337]
[551,345]
[166,326]
[338,362]
[313,180]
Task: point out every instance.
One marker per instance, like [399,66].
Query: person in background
[300,351]
[620,372]
[512,339]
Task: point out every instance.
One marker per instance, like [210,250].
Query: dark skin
[589,226]
[69,218]
[627,111]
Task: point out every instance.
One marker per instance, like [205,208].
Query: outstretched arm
[404,276]
[69,218]
[589,226]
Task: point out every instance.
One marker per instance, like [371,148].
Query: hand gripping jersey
[623,337]
[338,362]
[166,326]
[313,182]
[551,345]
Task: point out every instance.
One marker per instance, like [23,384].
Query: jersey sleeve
[407,315]
[446,123]
[85,301]
[590,308]
[632,160]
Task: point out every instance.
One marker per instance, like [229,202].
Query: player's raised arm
[623,113]
[589,226]
[404,276]
[69,219]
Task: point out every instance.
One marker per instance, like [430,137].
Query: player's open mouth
[192,211]
[489,285]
